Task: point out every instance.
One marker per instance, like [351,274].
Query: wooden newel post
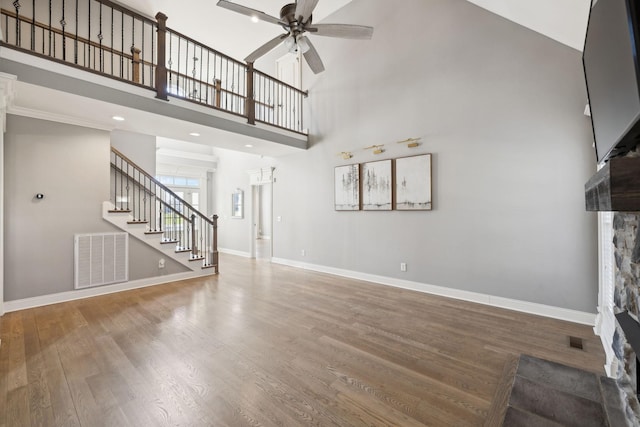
[214,245]
[251,103]
[218,92]
[161,63]
[135,52]
[194,246]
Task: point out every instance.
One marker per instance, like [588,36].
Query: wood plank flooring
[267,345]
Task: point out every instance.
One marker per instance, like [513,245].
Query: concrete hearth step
[545,394]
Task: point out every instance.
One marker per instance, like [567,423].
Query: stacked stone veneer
[627,297]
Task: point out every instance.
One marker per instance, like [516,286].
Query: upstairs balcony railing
[106,38]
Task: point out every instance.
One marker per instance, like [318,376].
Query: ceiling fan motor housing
[288,14]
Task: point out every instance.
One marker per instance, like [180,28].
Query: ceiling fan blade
[313,59]
[248,11]
[265,48]
[345,31]
[305,8]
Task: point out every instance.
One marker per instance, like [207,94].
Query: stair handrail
[200,229]
[151,193]
[159,184]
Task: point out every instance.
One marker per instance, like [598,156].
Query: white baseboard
[234,252]
[508,303]
[23,304]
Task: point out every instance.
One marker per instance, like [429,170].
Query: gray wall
[39,233]
[501,109]
[139,148]
[70,166]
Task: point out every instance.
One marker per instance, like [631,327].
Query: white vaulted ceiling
[562,20]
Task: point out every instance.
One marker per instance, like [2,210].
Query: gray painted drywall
[501,109]
[139,148]
[70,166]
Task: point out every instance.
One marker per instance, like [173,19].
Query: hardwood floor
[267,345]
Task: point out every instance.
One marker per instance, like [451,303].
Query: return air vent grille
[101,259]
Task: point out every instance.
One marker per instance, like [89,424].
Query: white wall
[235,234]
[501,109]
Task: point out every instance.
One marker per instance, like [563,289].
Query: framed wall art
[413,183]
[377,186]
[347,188]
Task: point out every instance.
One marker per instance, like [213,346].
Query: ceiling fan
[295,19]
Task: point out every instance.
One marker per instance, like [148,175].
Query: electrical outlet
[303,252]
[403,266]
[161,263]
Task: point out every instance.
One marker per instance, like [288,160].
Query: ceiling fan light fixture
[290,44]
[303,44]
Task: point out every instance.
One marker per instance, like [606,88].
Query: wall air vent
[100,259]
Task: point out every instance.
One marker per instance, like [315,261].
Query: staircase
[151,212]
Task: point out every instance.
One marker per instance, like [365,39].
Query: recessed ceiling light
[249,146]
[254,19]
[194,134]
[118,118]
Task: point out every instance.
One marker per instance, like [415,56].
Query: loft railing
[106,38]
[163,212]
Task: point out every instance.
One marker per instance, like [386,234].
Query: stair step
[137,222]
[198,258]
[166,242]
[154,232]
[209,266]
[119,211]
[182,250]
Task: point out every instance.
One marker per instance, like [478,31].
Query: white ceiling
[562,20]
[226,31]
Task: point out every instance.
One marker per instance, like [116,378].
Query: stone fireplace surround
[626,241]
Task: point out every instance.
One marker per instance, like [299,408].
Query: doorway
[262,221]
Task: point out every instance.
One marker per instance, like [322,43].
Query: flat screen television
[611,68]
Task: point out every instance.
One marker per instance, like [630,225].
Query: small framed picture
[347,188]
[413,183]
[376,186]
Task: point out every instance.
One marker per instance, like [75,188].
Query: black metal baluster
[200,75]
[153,56]
[87,53]
[63,23]
[112,39]
[186,72]
[128,187]
[50,31]
[75,42]
[145,195]
[206,99]
[16,5]
[100,37]
[178,67]
[33,25]
[121,45]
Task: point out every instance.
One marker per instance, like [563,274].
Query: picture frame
[377,186]
[347,188]
[413,187]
